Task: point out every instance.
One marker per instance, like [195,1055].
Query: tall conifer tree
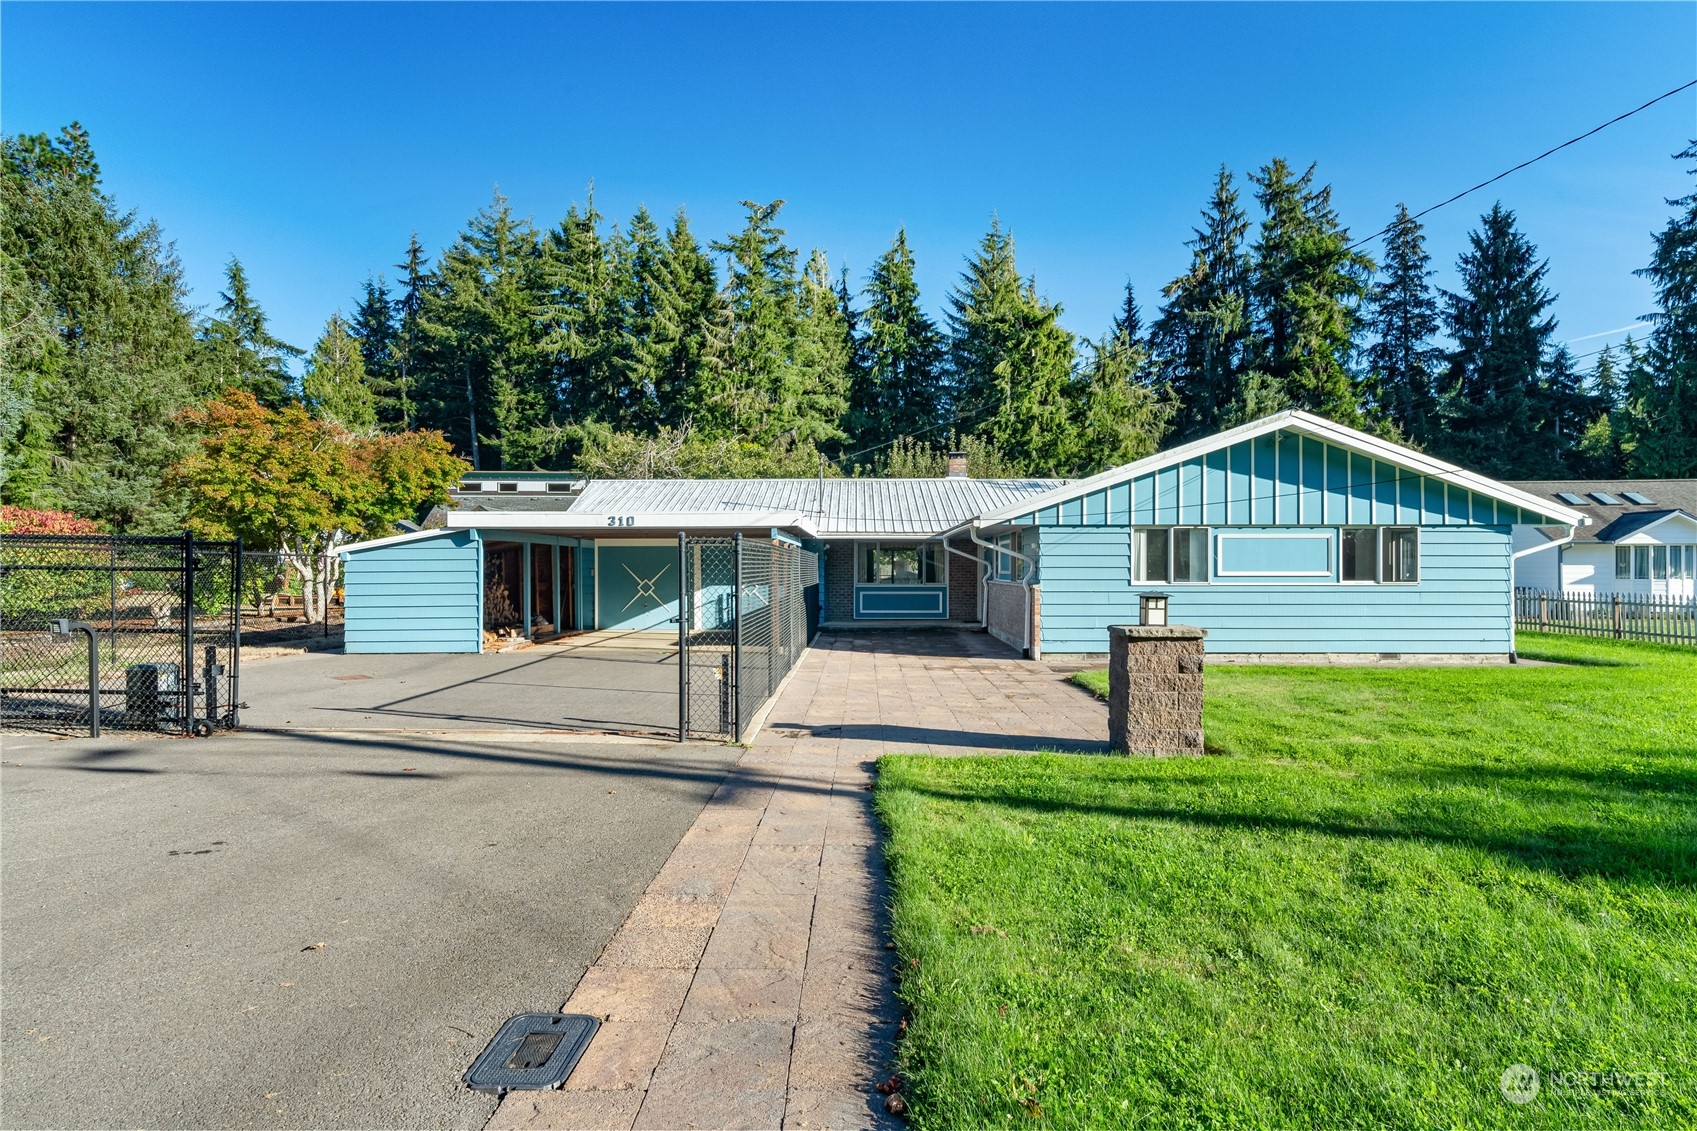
[335,383]
[486,371]
[1306,290]
[1402,361]
[1492,400]
[821,356]
[242,352]
[1203,333]
[373,324]
[1011,360]
[898,388]
[764,400]
[1663,404]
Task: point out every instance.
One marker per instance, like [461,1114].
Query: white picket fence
[1618,616]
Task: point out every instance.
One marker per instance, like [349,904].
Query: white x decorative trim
[644,585]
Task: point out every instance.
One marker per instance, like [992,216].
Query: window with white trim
[1623,563]
[1009,567]
[1174,554]
[1384,555]
[899,563]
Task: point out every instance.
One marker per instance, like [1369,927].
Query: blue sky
[310,140]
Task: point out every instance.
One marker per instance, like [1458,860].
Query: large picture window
[900,563]
[1169,554]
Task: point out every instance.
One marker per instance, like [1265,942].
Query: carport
[614,682]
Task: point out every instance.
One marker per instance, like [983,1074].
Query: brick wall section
[963,581]
[839,581]
[1155,689]
[1005,611]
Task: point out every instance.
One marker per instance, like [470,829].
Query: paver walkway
[750,987]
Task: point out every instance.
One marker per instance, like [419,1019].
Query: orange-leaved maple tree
[280,479]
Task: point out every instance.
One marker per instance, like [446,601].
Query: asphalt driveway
[307,930]
[616,683]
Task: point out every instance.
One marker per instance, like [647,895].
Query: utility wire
[1524,164]
[960,422]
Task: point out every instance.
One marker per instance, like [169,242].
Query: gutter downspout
[1031,650]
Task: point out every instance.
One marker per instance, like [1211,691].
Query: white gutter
[972,532]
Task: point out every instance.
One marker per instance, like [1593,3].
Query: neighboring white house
[1642,538]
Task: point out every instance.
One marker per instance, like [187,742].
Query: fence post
[736,637]
[1543,611]
[684,586]
[185,680]
[1617,617]
[236,642]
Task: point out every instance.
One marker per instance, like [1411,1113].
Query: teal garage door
[638,586]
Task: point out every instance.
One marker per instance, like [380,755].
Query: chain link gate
[124,631]
[742,625]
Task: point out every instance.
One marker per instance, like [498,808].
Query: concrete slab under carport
[599,682]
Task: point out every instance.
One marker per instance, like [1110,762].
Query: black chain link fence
[118,631]
[742,625]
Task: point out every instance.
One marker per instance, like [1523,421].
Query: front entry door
[638,586]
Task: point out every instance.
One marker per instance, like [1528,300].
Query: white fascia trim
[392,540]
[669,522]
[1298,421]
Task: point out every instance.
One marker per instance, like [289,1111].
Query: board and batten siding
[1460,604]
[1284,478]
[417,596]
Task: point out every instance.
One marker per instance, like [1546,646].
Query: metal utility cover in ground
[531,1052]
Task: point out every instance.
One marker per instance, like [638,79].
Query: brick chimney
[957,465]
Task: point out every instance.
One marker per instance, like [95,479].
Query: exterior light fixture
[1152,608]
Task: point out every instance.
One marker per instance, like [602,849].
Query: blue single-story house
[1287,536]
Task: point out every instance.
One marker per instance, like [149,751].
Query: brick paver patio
[750,987]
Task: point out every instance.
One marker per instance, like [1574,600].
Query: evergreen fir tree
[1570,411]
[898,388]
[1662,416]
[1011,361]
[641,353]
[1403,363]
[97,351]
[1492,402]
[763,400]
[1306,290]
[416,278]
[335,383]
[584,320]
[1202,335]
[373,324]
[821,356]
[242,352]
[691,331]
[1124,417]
[485,375]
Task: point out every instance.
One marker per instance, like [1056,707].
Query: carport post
[736,638]
[683,636]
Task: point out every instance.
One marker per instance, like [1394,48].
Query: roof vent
[1639,498]
[957,465]
[1605,498]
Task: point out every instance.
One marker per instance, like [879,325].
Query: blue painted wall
[1281,479]
[420,596]
[1460,604]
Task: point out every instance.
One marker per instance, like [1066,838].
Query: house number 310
[621,520]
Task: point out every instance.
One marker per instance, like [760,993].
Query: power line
[1533,161]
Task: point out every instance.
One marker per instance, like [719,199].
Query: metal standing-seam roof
[846,507]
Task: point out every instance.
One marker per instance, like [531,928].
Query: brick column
[1155,688]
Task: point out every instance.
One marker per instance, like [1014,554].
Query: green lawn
[1386,886]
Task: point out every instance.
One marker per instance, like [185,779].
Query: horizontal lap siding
[1460,605]
[418,596]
